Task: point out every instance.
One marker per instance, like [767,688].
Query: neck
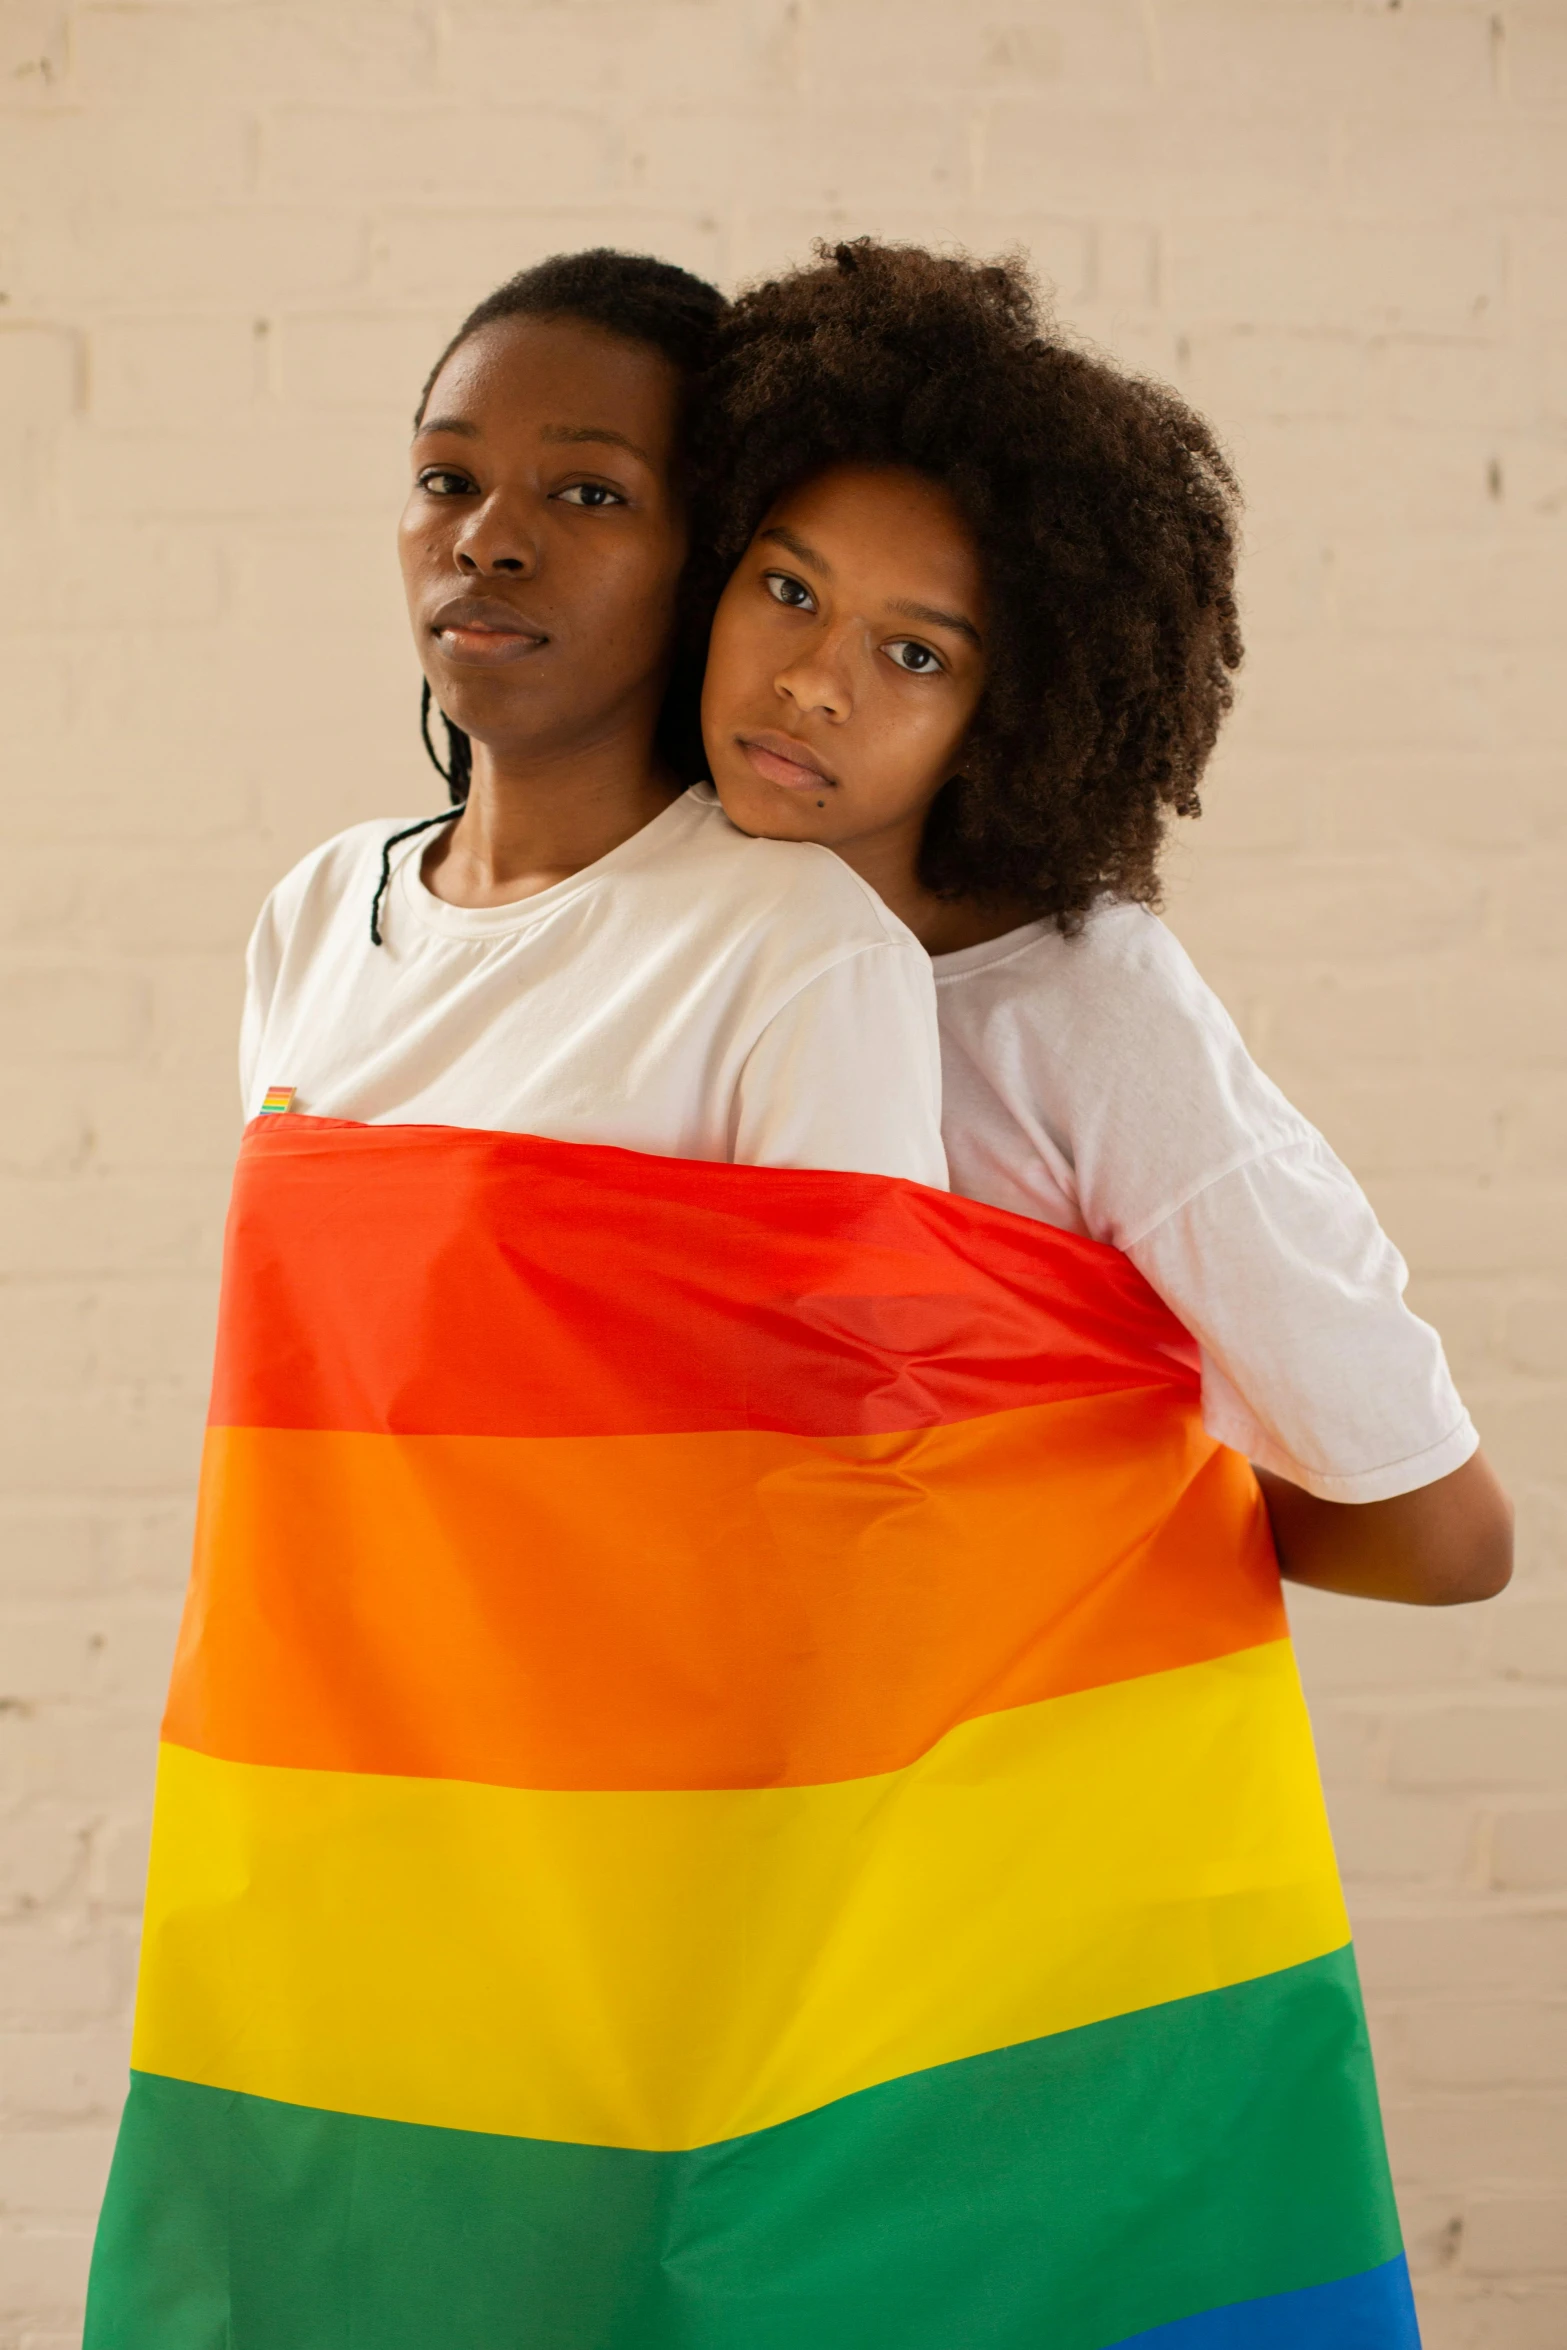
[535,818]
[942,925]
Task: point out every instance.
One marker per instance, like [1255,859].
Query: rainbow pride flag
[734,1780]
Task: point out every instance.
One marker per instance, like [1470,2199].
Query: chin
[768,814]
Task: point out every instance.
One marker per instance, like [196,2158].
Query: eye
[445,481]
[784,588]
[593,494]
[915,659]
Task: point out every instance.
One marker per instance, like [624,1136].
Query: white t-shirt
[1098,1084]
[696,994]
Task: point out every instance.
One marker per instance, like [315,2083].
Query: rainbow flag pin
[279,1098]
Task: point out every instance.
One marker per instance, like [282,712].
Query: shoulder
[813,898]
[1114,1042]
[1122,991]
[1122,956]
[343,857]
[347,865]
[1137,991]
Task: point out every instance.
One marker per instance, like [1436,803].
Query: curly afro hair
[1105,515]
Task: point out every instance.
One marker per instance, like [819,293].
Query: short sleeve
[1313,1365]
[1102,1086]
[848,1075]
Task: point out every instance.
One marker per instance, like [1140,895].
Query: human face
[544,535]
[846,664]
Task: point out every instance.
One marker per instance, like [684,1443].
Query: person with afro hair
[975,630]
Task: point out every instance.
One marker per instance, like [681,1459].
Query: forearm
[1440,1546]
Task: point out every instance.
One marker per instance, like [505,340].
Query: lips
[484,630]
[782,759]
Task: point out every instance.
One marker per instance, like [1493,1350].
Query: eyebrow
[934,618]
[569,433]
[595,432]
[798,548]
[930,614]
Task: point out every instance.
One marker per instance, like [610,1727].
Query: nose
[818,679]
[495,541]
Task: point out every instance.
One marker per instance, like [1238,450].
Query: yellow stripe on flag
[663,1970]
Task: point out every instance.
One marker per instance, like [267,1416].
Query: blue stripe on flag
[1374,2311]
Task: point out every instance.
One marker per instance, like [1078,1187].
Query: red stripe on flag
[439,1280]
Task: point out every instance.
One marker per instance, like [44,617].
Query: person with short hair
[580,947]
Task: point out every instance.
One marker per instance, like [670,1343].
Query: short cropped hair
[633,295]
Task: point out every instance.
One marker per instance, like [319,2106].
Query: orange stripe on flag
[721,1610]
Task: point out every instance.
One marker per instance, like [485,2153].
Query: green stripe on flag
[1073,2190]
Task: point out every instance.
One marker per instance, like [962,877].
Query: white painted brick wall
[232,233]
